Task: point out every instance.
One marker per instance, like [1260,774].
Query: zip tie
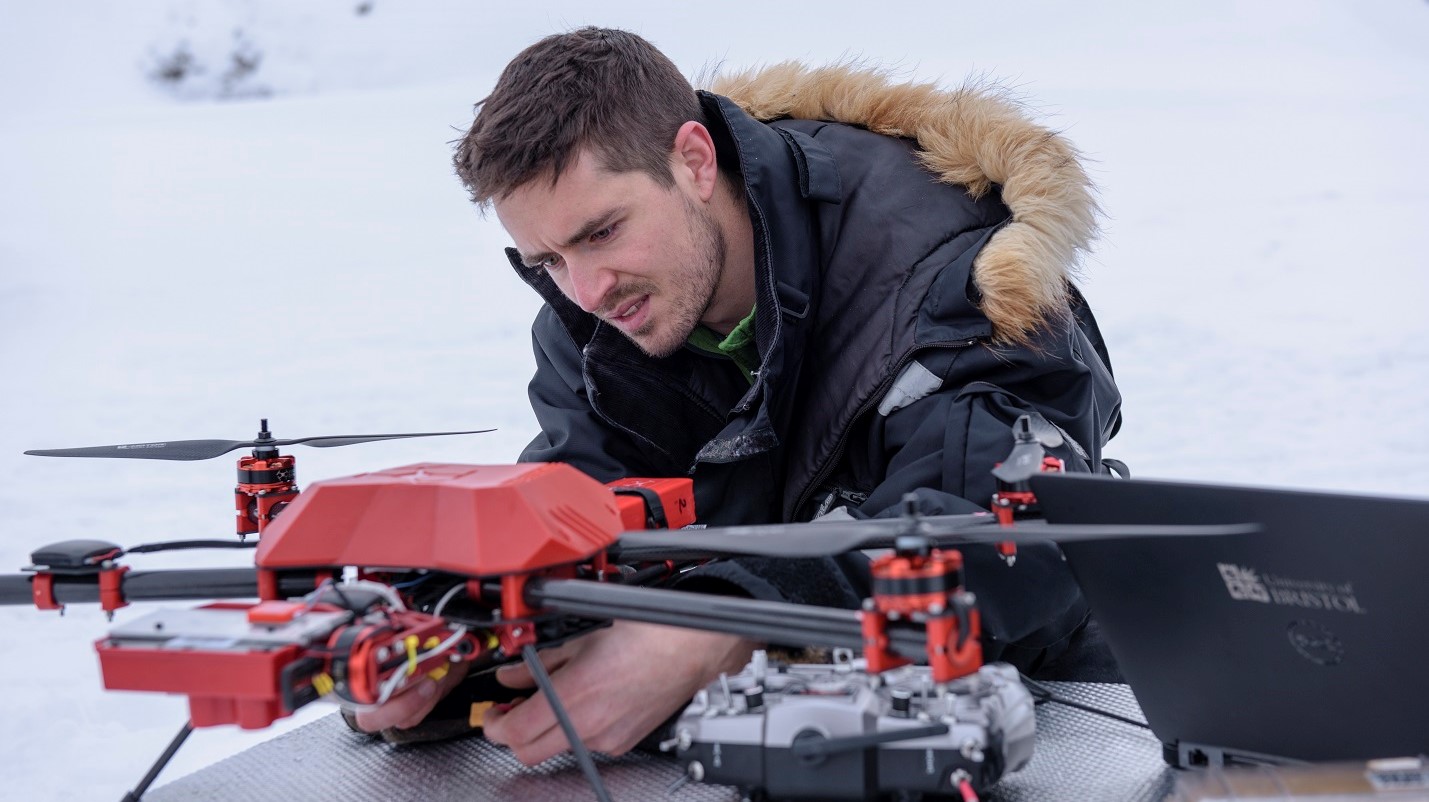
[440,671]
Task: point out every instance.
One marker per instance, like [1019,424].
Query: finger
[553,742]
[414,703]
[493,724]
[524,735]
[418,714]
[411,705]
[521,725]
[518,675]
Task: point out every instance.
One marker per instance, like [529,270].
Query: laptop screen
[1306,641]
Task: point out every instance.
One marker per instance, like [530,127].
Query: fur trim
[972,136]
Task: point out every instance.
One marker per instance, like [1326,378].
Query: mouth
[631,308]
[631,314]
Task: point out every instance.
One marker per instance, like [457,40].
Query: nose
[590,284]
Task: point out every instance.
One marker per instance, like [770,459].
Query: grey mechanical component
[806,731]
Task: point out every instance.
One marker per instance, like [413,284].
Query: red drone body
[249,664]
[475,520]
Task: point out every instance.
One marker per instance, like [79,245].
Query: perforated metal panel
[1085,756]
[1079,756]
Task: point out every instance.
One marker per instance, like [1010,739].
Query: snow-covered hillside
[173,267]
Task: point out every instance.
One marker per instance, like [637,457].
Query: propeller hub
[912,546]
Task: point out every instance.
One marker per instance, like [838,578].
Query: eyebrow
[589,227]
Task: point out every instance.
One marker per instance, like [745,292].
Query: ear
[694,160]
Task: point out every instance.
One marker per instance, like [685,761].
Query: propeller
[835,537]
[208,449]
[1025,461]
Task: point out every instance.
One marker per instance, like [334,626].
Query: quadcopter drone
[368,583]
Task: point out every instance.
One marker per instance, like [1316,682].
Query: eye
[603,234]
[551,262]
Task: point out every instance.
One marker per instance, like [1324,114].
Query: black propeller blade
[208,449]
[1025,461]
[176,450]
[824,539]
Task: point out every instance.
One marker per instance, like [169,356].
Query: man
[809,317]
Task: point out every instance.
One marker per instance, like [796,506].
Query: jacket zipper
[870,403]
[772,290]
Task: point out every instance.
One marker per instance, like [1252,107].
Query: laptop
[1308,641]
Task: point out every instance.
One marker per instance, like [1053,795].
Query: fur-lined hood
[974,137]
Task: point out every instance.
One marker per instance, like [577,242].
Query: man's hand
[617,684]
[408,708]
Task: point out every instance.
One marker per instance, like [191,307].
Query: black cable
[1049,696]
[342,597]
[138,792]
[543,681]
[175,545]
[646,575]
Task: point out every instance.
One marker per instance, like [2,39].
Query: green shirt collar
[739,345]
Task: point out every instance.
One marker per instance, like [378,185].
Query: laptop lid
[1307,641]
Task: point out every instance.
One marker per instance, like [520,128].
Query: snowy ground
[176,269]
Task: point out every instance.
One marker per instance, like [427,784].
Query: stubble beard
[691,288]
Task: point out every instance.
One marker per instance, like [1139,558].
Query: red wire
[966,787]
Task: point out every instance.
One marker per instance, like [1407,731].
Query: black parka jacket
[880,373]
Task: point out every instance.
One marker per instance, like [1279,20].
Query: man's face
[644,258]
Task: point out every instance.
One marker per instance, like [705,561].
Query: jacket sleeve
[571,431]
[940,442]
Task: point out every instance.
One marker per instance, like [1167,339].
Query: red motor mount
[1014,497]
[266,485]
[267,482]
[1017,499]
[925,584]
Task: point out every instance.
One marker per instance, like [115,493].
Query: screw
[681,741]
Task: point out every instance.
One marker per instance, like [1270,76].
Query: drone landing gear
[543,681]
[153,774]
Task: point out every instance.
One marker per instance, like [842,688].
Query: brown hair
[598,88]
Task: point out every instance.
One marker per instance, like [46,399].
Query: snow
[174,267]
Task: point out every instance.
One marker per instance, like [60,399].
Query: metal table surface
[1078,755]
